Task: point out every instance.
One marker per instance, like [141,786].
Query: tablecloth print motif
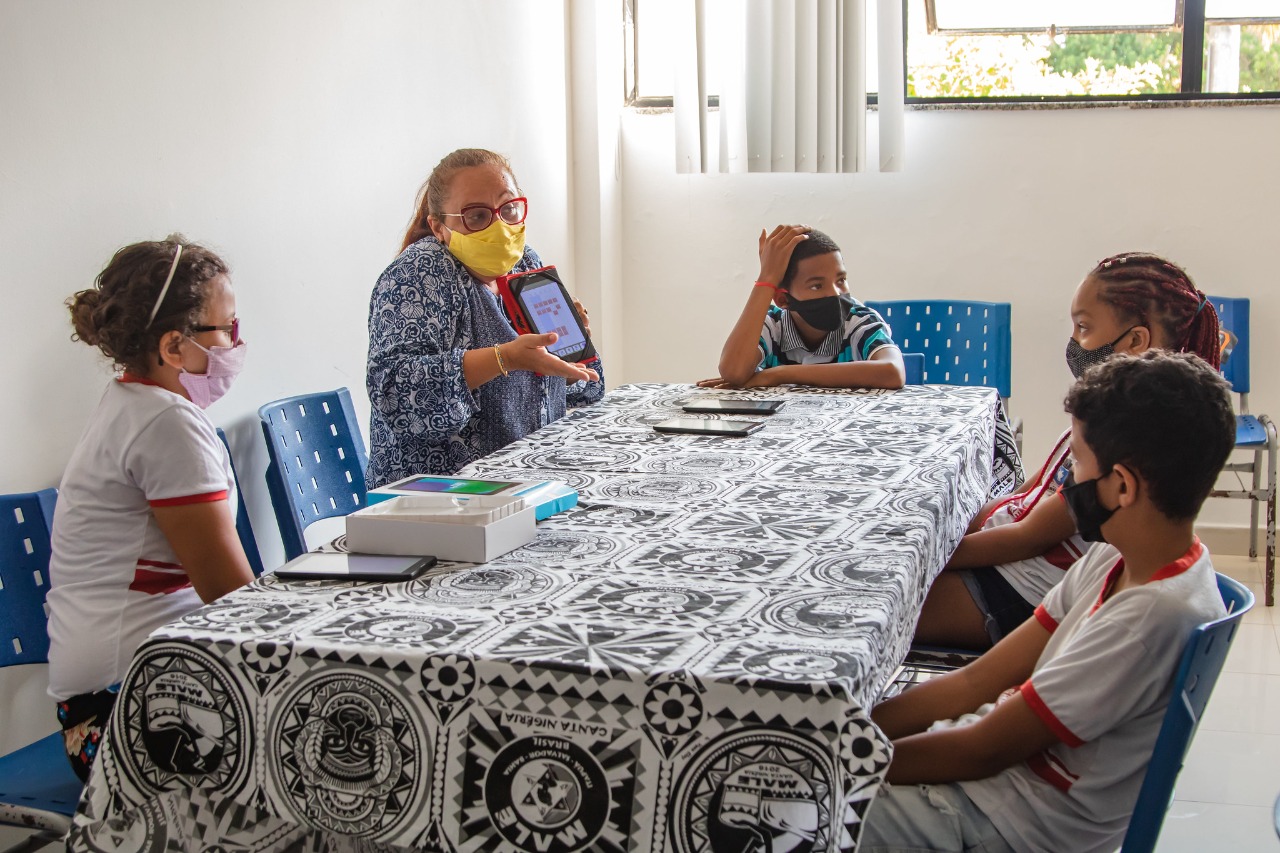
[681,663]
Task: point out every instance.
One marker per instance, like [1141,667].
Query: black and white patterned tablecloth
[684,662]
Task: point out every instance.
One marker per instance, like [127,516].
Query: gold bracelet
[497,353]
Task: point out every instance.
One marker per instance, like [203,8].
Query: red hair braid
[1146,289]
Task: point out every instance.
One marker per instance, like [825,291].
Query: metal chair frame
[1256,433]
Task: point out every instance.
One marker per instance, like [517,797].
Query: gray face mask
[825,313]
[1080,359]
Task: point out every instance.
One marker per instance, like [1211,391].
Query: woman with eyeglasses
[144,531]
[449,379]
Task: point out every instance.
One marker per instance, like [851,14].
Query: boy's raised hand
[776,249]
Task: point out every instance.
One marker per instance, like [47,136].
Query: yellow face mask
[491,252]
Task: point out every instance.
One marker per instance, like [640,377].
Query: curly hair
[1146,289]
[431,196]
[1166,416]
[817,244]
[114,316]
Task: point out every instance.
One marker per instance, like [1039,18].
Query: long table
[684,662]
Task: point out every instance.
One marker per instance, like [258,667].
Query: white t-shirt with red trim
[113,577]
[1035,576]
[1101,685]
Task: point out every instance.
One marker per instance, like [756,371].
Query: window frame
[1189,14]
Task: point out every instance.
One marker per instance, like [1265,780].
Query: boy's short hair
[817,244]
[1166,416]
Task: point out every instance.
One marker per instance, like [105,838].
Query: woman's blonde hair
[431,196]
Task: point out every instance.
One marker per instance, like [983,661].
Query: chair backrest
[317,462]
[914,364]
[963,342]
[244,529]
[26,521]
[1233,318]
[1192,685]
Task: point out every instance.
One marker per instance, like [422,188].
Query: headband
[164,290]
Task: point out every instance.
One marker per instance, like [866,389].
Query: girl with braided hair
[1019,547]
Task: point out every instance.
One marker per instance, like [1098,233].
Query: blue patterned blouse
[425,312]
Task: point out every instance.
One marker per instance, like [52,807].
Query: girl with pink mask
[144,531]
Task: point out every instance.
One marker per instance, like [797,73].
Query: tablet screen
[454,486]
[547,310]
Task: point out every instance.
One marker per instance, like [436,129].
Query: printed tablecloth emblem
[661,489]
[859,571]
[583,458]
[259,616]
[448,680]
[703,464]
[182,715]
[561,547]
[615,517]
[826,614]
[654,602]
[350,758]
[757,790]
[800,665]
[539,792]
[480,586]
[711,561]
[766,525]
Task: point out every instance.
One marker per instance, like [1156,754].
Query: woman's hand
[776,249]
[529,352]
[586,319]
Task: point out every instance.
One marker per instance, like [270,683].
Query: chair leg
[1270,588]
[1253,505]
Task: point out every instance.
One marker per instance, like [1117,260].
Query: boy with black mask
[800,326]
[1080,688]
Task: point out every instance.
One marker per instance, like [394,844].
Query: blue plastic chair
[963,343]
[914,364]
[1253,432]
[244,528]
[38,789]
[317,462]
[1197,673]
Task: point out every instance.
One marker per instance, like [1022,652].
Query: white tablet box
[473,529]
[547,497]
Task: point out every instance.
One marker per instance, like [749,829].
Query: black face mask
[1080,359]
[825,313]
[1085,508]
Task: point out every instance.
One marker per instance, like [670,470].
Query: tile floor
[1232,775]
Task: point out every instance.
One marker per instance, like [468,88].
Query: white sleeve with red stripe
[178,459]
[1099,679]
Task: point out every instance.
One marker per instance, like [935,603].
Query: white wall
[290,136]
[1012,206]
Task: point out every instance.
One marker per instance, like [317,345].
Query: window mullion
[1192,46]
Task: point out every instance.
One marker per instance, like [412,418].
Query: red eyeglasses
[477,217]
[233,328]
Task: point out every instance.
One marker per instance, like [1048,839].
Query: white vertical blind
[759,85]
[892,95]
[828,121]
[794,85]
[853,89]
[690,89]
[733,94]
[782,125]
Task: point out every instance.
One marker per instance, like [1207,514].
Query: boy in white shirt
[1081,688]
